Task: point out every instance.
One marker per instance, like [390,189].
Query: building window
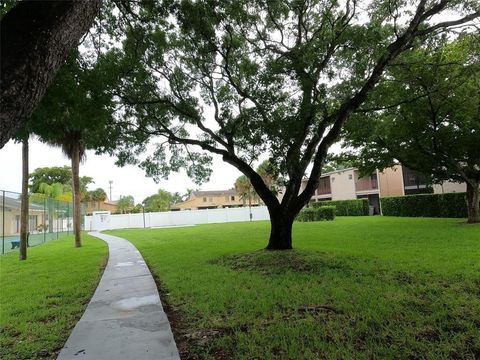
[32,222]
[204,199]
[226,199]
[333,179]
[210,199]
[412,180]
[232,198]
[350,177]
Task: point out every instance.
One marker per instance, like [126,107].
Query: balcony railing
[367,183]
[323,190]
[324,186]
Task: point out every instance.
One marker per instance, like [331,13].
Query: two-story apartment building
[449,187]
[347,184]
[213,200]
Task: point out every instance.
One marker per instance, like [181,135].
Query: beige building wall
[449,187]
[212,200]
[198,202]
[92,206]
[342,184]
[9,222]
[390,181]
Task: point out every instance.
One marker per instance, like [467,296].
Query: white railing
[177,218]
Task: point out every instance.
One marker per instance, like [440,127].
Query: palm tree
[244,188]
[125,204]
[73,147]
[74,115]
[269,175]
[24,202]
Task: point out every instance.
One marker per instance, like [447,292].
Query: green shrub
[317,214]
[306,215]
[356,207]
[326,212]
[452,205]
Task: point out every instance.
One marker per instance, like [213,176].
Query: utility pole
[110,182]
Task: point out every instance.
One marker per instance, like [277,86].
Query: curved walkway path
[125,318]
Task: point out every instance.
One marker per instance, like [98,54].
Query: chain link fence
[48,219]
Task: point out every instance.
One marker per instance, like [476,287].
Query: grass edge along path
[43,297]
[354,288]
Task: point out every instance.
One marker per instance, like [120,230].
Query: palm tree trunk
[51,213]
[250,205]
[76,194]
[473,199]
[24,202]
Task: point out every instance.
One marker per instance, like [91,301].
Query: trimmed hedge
[451,205]
[317,214]
[357,207]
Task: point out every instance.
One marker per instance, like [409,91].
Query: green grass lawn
[43,298]
[354,288]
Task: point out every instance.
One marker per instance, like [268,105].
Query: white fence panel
[87,223]
[216,216]
[179,218]
[260,213]
[136,220]
[119,221]
[159,219]
[238,214]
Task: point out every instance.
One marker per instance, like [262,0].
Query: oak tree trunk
[24,202]
[473,199]
[35,38]
[76,195]
[281,223]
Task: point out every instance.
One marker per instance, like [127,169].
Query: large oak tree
[244,78]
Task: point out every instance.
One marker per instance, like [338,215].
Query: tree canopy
[125,204]
[56,174]
[238,79]
[78,105]
[51,191]
[244,78]
[49,175]
[430,117]
[95,195]
[160,201]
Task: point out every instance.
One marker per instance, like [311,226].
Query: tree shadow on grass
[279,262]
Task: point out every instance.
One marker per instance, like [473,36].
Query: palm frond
[70,142]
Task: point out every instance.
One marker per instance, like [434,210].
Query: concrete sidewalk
[125,318]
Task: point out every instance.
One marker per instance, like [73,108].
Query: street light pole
[110,182]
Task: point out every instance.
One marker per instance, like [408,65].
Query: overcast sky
[129,180]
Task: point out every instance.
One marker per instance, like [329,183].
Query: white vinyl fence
[104,221]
